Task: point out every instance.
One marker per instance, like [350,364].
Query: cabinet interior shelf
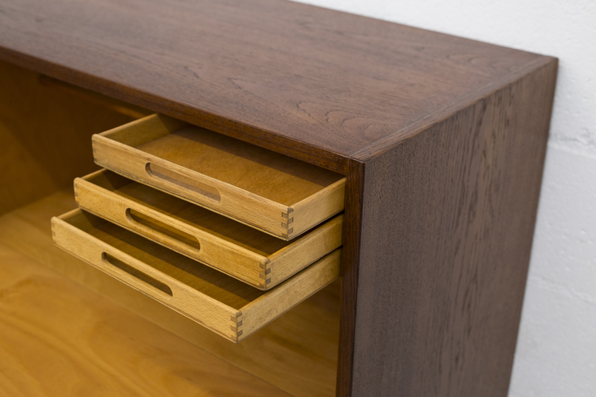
[86,337]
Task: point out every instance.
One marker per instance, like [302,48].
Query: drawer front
[263,189]
[227,306]
[247,254]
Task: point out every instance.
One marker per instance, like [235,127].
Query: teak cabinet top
[317,84]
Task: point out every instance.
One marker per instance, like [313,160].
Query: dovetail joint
[236,324]
[265,271]
[290,231]
[286,226]
[263,276]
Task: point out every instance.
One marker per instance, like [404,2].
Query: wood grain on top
[316,84]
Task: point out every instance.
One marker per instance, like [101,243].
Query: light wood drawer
[282,196]
[223,304]
[247,254]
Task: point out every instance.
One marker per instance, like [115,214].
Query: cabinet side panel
[447,226]
[45,134]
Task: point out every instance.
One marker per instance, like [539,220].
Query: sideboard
[441,140]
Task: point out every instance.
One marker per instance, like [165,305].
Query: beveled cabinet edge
[349,276]
[381,146]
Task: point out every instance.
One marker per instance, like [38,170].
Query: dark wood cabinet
[441,140]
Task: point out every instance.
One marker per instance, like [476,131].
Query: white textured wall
[556,352]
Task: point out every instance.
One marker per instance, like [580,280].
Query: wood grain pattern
[242,252]
[227,306]
[442,270]
[44,136]
[445,134]
[297,352]
[274,193]
[59,339]
[286,76]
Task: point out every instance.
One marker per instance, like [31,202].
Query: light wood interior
[45,135]
[254,169]
[58,338]
[279,195]
[204,279]
[245,253]
[201,218]
[221,303]
[48,322]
